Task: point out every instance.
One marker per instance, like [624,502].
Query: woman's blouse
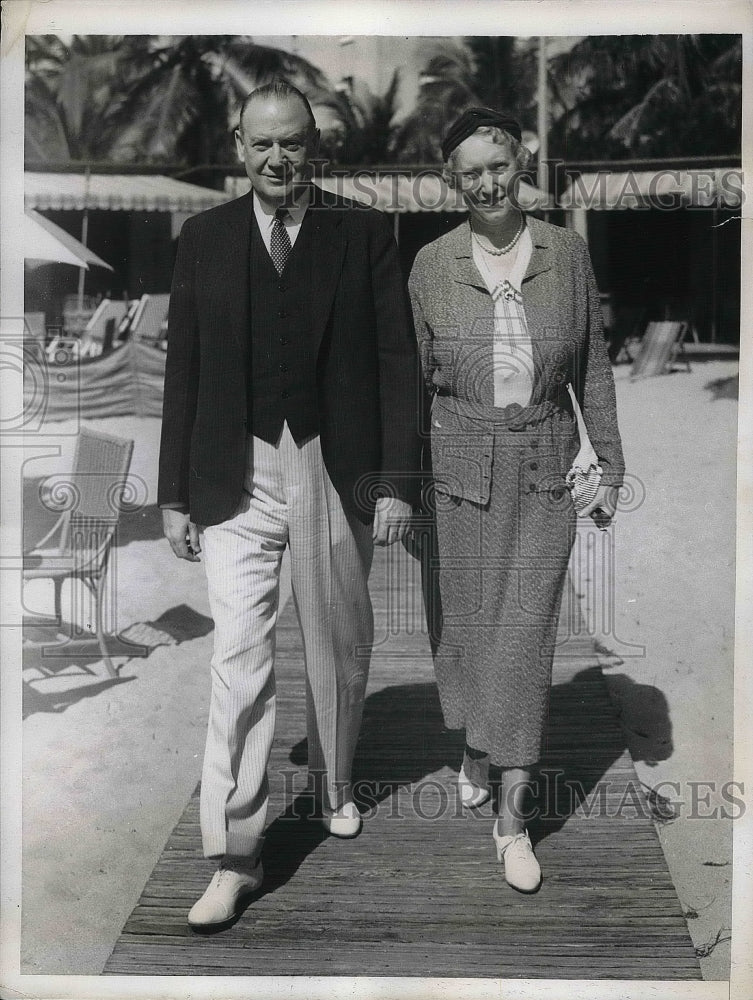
[512,349]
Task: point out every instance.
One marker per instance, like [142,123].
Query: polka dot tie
[280,243]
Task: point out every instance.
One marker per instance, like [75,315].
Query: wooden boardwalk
[419,892]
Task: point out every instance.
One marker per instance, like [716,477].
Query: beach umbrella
[45,242]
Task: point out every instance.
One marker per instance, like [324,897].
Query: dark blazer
[367,370]
[454,317]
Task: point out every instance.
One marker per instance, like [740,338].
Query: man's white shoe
[230,883]
[522,870]
[345,822]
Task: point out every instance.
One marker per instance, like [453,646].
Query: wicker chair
[85,530]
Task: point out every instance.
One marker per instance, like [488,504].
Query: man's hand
[182,534]
[392,519]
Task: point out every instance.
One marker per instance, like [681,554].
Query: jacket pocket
[461,461]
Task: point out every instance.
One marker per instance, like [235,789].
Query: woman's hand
[605,500]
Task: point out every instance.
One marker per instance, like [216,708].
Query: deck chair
[661,344]
[102,327]
[149,318]
[86,529]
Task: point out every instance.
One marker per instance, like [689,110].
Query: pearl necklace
[497,252]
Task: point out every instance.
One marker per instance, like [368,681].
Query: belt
[514,416]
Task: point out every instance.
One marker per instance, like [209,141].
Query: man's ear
[239,145]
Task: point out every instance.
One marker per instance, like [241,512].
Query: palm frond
[626,128]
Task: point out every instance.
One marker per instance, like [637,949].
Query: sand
[109,765]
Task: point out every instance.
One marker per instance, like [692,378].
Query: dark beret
[467,123]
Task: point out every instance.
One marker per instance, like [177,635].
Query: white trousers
[289,500]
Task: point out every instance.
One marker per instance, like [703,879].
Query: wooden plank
[420,892]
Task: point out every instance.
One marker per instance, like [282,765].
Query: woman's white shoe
[522,870]
[473,782]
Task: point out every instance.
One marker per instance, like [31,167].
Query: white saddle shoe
[346,822]
[471,795]
[473,781]
[522,870]
[219,904]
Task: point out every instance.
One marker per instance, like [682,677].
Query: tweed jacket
[454,320]
[367,375]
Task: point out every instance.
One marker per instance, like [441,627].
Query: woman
[507,316]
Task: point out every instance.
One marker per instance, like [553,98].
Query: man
[289,420]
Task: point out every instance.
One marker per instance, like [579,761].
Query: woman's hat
[474,118]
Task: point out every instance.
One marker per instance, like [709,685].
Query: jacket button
[532,486]
[534,466]
[284,394]
[282,314]
[283,368]
[534,444]
[284,341]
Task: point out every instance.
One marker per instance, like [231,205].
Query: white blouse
[513,352]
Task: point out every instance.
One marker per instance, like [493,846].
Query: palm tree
[367,119]
[487,70]
[447,86]
[72,97]
[647,95]
[184,102]
[505,75]
[142,99]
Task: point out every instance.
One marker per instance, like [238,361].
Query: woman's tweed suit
[505,521]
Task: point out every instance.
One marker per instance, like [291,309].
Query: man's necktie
[280,243]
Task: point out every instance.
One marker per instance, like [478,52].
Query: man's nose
[276,158]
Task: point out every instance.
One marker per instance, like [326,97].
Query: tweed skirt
[501,568]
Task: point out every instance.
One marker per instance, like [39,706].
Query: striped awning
[399,192]
[154,193]
[116,192]
[700,188]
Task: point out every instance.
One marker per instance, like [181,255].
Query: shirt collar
[265,214]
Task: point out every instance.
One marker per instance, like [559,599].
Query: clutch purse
[583,484]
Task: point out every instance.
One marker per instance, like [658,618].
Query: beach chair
[85,530]
[100,333]
[662,343]
[149,318]
[124,328]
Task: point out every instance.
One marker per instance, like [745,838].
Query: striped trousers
[289,500]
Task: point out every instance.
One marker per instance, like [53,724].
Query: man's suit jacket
[367,370]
